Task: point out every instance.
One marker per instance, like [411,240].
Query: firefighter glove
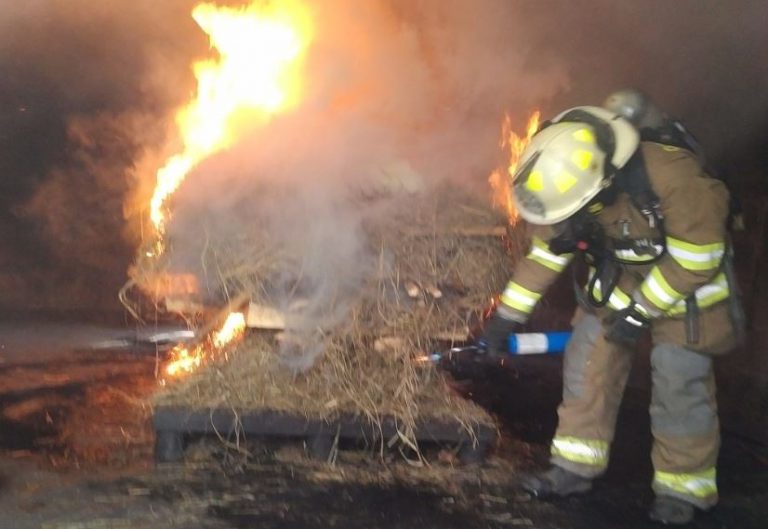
[626,326]
[496,331]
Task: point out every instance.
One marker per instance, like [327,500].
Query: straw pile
[436,258]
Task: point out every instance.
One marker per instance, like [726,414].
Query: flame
[233,328]
[256,75]
[186,360]
[499,179]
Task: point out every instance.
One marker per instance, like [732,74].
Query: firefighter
[650,225]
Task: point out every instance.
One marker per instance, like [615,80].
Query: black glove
[496,332]
[626,326]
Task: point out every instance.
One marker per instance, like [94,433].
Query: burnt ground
[76,454]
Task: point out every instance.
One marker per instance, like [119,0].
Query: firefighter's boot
[670,510]
[556,481]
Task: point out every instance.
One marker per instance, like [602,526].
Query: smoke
[392,86]
[700,61]
[391,92]
[86,88]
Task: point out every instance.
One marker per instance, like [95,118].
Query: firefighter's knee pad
[586,333]
[683,398]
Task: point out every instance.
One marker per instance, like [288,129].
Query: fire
[499,180]
[186,360]
[257,74]
[233,328]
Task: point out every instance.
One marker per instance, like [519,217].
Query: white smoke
[388,87]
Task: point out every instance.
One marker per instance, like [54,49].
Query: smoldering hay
[355,344]
[363,214]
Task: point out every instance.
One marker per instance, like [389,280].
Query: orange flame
[499,179]
[233,328]
[186,360]
[257,74]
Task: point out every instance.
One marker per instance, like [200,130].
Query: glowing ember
[499,180]
[186,360]
[260,49]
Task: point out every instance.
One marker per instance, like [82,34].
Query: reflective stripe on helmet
[564,181]
[582,158]
[585,135]
[535,182]
[584,451]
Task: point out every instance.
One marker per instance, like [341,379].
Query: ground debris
[106,523]
[139,491]
[487,498]
[509,519]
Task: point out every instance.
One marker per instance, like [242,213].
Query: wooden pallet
[174,424]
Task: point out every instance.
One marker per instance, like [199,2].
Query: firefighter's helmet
[569,161]
[636,107]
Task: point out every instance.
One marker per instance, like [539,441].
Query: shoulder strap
[633,179]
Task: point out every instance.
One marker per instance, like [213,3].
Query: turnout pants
[683,412]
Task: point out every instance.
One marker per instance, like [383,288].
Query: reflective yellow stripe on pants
[698,485]
[589,452]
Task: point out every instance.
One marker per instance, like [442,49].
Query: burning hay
[333,210]
[439,260]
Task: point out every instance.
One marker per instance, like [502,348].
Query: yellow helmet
[569,161]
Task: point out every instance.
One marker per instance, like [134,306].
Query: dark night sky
[77,107]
